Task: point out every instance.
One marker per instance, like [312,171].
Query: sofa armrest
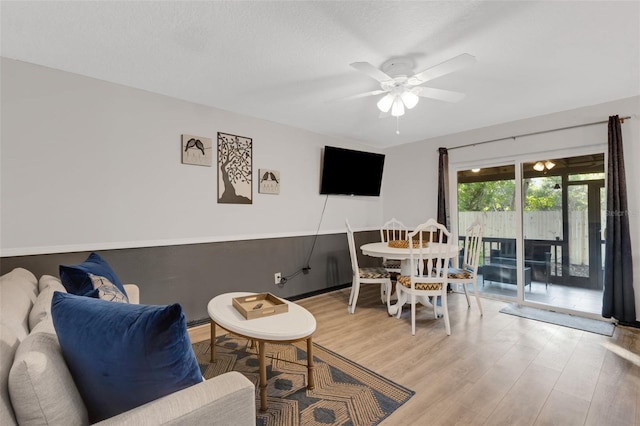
[133,292]
[228,399]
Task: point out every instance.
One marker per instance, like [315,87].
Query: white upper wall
[89,165]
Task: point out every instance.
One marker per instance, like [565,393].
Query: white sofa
[30,353]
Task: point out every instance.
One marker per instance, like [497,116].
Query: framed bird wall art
[269,181]
[197,150]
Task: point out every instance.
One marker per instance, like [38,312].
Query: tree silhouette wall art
[234,169]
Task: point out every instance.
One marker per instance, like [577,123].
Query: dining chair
[467,273]
[392,230]
[375,275]
[429,266]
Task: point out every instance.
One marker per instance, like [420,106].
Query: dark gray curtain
[618,296]
[443,187]
[443,191]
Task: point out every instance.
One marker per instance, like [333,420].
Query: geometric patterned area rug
[586,324]
[345,393]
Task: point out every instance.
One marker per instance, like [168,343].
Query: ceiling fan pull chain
[397,125]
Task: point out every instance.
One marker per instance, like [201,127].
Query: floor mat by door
[565,320]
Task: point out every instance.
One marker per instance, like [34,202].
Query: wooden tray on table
[259,305]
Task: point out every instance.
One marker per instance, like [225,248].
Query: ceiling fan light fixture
[539,166]
[410,99]
[404,90]
[384,104]
[549,164]
[397,109]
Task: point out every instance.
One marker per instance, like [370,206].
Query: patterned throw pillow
[76,280]
[106,290]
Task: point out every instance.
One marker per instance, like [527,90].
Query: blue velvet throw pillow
[76,279]
[123,355]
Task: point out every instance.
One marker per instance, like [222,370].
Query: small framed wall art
[269,181]
[197,150]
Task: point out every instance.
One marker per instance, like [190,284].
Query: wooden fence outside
[541,225]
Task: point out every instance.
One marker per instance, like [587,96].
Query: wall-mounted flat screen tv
[350,172]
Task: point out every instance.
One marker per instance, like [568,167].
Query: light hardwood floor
[493,370]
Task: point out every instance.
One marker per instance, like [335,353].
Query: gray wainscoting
[193,274]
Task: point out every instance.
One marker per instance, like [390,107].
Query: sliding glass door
[545,247]
[488,195]
[562,231]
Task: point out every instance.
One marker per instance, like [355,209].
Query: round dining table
[382,249]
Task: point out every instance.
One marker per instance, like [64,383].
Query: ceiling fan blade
[364,95]
[446,67]
[358,96]
[371,71]
[439,94]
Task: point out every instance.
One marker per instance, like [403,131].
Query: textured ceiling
[288,62]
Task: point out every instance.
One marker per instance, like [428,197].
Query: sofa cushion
[18,292]
[123,355]
[46,281]
[76,278]
[41,387]
[25,280]
[44,326]
[42,308]
[8,345]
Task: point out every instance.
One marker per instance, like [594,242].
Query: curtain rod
[536,133]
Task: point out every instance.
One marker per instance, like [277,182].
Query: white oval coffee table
[288,327]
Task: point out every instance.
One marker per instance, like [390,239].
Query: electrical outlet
[277,277]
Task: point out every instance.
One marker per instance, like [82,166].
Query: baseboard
[317,292]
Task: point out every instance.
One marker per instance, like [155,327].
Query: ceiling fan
[404,89]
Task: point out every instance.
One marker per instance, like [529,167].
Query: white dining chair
[429,271]
[392,230]
[375,275]
[467,273]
